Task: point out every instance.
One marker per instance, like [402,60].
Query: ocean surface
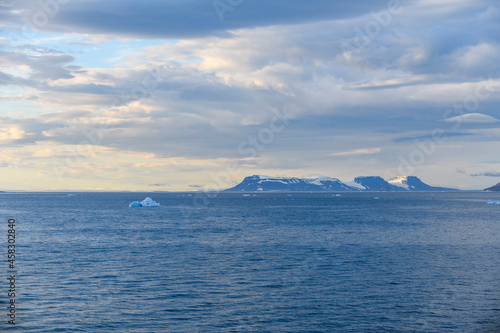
[311,262]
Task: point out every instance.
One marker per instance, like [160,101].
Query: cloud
[486,174]
[11,133]
[51,67]
[357,152]
[220,83]
[35,68]
[431,137]
[173,19]
[49,153]
[6,79]
[472,118]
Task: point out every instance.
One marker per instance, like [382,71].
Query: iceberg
[491,202]
[148,202]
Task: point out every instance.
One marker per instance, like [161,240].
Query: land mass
[495,188]
[259,183]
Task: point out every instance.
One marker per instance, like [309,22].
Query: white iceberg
[491,202]
[148,202]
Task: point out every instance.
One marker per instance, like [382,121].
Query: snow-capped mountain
[375,183]
[258,183]
[412,183]
[265,183]
[495,188]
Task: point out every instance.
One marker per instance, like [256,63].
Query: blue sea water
[310,262]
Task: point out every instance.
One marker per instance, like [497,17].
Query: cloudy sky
[191,94]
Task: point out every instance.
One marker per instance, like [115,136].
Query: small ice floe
[148,202]
[71,195]
[338,195]
[247,195]
[376,198]
[491,202]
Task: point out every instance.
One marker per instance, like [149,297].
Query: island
[259,183]
[494,188]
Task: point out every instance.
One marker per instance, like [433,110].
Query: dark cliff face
[495,188]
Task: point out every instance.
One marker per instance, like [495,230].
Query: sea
[263,262]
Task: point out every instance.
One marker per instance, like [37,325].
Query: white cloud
[472,118]
[478,55]
[356,152]
[11,133]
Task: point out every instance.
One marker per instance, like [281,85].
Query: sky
[173,95]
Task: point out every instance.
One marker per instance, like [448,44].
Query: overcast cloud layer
[172,95]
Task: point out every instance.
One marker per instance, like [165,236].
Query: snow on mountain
[322,183]
[352,183]
[401,181]
[265,183]
[319,180]
[413,183]
[375,183]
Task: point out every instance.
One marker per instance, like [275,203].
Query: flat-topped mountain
[412,183]
[259,183]
[495,188]
[374,183]
[264,183]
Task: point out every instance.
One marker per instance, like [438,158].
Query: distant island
[259,183]
[495,188]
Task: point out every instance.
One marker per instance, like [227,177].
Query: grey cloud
[51,67]
[190,18]
[486,174]
[490,162]
[91,88]
[431,137]
[6,79]
[6,11]
[44,66]
[435,44]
